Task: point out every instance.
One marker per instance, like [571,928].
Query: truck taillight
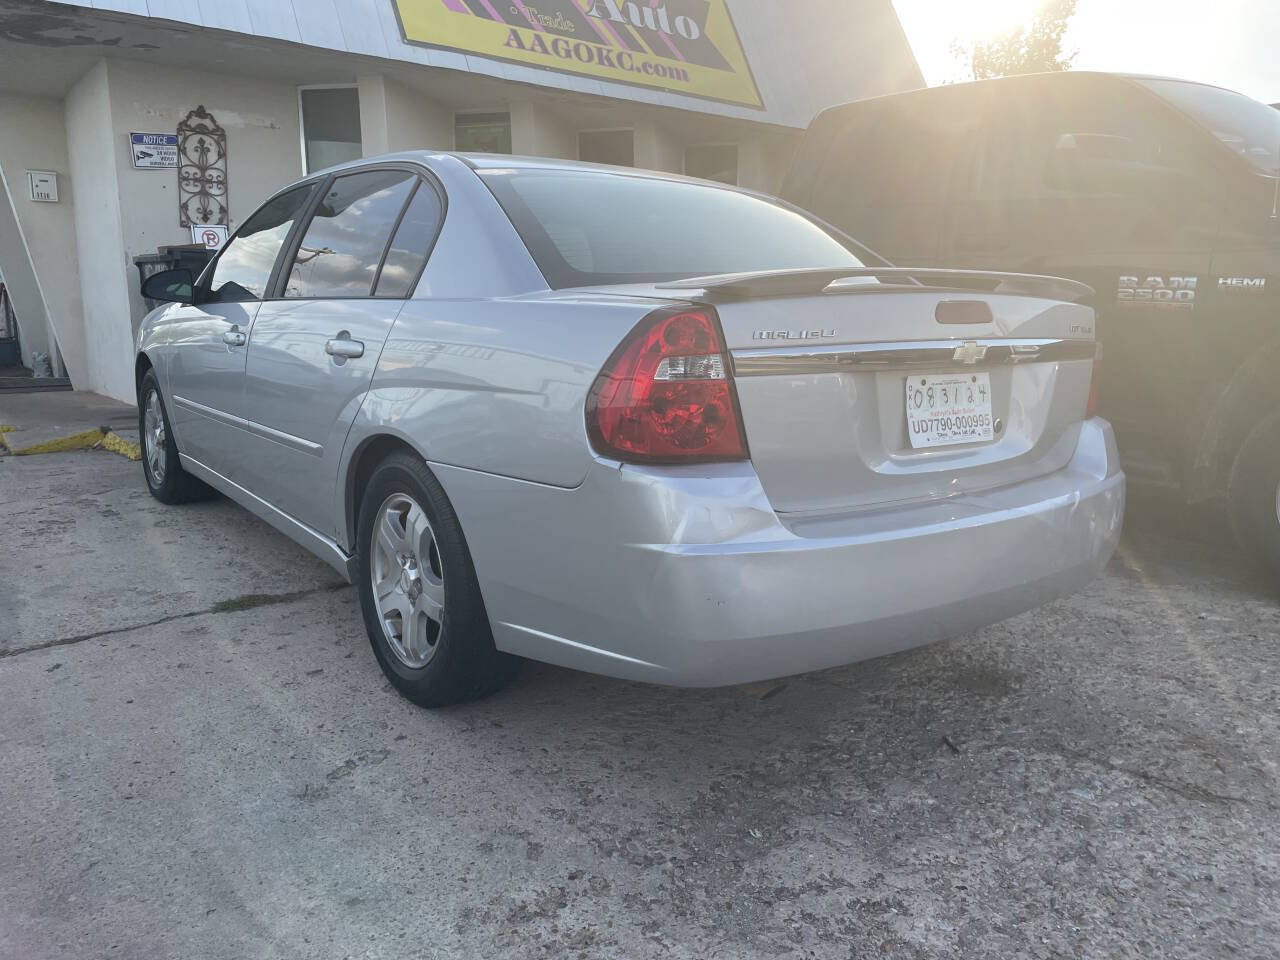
[667,394]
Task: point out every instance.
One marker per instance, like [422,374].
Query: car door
[314,347]
[207,363]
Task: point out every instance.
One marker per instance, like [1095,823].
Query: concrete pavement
[201,759]
[43,416]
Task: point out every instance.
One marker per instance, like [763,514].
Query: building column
[395,118]
[656,149]
[762,166]
[100,241]
[538,132]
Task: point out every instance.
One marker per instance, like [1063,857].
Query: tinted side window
[411,245]
[348,233]
[244,266]
[1060,139]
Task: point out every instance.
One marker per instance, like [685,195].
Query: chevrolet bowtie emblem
[969,352]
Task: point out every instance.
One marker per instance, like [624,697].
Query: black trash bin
[191,256]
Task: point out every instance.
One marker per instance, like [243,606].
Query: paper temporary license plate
[949,408]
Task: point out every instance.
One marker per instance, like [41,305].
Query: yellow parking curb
[117,444]
[99,439]
[77,441]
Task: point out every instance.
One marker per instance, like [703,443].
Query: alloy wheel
[408,580]
[153,437]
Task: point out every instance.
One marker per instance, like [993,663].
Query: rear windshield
[588,228]
[1250,128]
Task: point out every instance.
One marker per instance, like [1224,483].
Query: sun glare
[984,19]
[935,26]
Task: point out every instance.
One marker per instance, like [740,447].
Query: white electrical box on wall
[42,186]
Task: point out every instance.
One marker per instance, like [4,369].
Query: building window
[482,132]
[330,126]
[713,162]
[617,147]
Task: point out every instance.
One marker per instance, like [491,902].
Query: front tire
[418,590]
[166,479]
[1255,494]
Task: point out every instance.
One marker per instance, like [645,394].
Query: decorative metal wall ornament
[202,170]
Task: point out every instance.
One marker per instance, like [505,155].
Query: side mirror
[170,286]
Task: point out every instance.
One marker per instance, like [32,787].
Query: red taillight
[666,395]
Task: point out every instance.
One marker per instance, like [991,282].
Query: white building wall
[83,251]
[264,153]
[47,302]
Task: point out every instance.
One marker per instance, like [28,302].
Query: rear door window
[411,244]
[345,241]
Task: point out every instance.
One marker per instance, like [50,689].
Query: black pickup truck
[1163,195]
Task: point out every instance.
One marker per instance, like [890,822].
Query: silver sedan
[627,422]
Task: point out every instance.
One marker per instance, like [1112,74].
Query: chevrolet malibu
[627,422]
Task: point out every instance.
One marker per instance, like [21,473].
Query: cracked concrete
[92,551]
[209,780]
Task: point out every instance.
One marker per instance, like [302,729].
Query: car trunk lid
[822,381]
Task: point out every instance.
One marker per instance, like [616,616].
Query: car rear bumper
[688,577]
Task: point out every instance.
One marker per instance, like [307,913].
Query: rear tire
[1255,494]
[418,590]
[166,479]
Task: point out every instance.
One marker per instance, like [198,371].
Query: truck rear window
[589,228]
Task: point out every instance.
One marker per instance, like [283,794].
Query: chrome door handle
[344,348]
[233,338]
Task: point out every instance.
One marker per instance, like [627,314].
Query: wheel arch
[141,364]
[1224,428]
[366,456]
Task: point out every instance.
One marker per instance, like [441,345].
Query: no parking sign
[211,235]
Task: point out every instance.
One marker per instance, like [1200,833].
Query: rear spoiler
[784,283]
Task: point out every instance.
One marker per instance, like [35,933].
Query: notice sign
[212,235]
[684,46]
[154,151]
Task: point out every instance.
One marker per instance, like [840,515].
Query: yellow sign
[684,46]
